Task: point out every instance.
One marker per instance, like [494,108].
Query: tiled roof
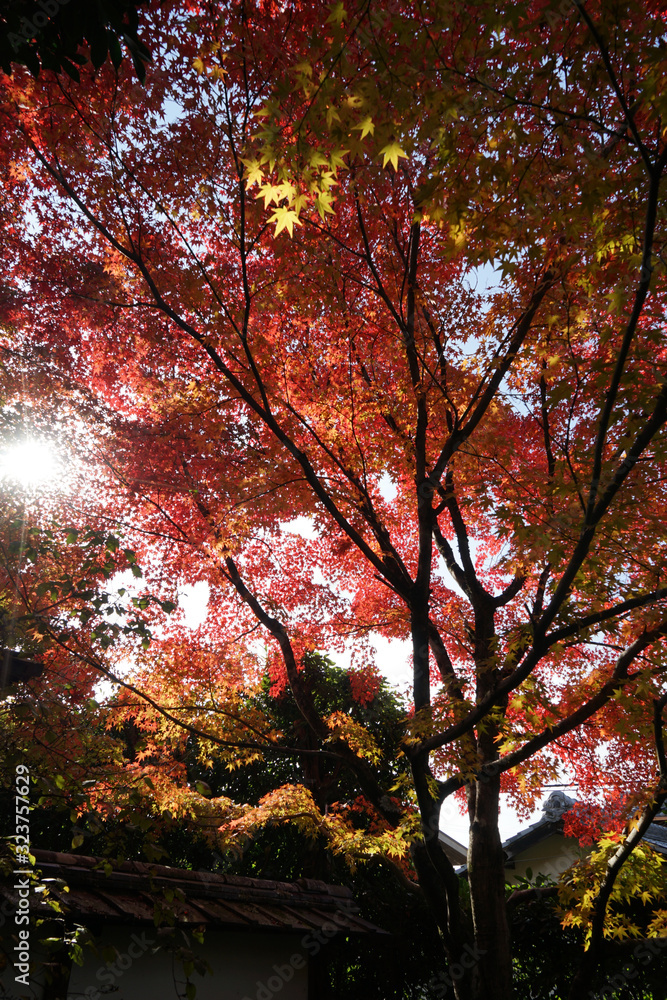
[130,891]
[455,851]
[656,836]
[551,822]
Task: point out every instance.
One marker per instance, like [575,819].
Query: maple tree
[255,279]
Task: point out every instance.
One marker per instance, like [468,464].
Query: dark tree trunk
[492,972]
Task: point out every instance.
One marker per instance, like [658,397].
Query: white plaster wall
[244,967]
[550,856]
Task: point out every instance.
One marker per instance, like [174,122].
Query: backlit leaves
[391,153]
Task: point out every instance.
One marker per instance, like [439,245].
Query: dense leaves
[364,317]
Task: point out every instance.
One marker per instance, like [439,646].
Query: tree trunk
[492,972]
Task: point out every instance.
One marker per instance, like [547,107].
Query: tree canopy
[394,275]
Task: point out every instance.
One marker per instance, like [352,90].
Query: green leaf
[99,47]
[71,70]
[115,51]
[337,15]
[112,543]
[337,158]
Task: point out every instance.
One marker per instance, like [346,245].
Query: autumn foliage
[395,271]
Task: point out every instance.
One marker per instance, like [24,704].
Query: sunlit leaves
[641,880]
[441,352]
[356,736]
[366,127]
[391,153]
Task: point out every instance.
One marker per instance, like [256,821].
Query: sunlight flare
[31,463]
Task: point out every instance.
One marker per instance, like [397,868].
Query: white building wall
[245,966]
[550,856]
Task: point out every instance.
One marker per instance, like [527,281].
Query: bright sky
[30,463]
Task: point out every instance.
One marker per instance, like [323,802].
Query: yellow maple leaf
[254,173]
[323,203]
[337,15]
[270,193]
[285,218]
[366,127]
[317,159]
[391,153]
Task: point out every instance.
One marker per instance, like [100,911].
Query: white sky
[30,463]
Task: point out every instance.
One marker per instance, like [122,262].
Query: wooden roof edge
[79,868]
